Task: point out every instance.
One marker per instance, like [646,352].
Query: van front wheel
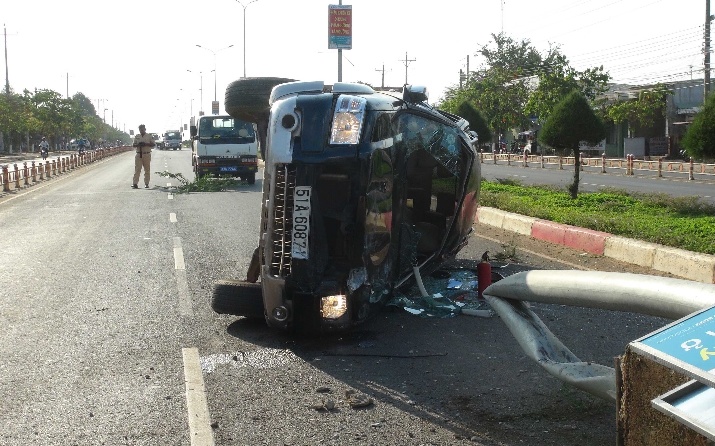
[238,298]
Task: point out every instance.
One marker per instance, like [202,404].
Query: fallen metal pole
[653,295]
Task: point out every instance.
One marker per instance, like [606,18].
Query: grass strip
[682,222]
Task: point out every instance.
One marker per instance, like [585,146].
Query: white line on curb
[196,402]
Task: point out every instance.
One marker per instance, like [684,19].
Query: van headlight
[333,307]
[347,120]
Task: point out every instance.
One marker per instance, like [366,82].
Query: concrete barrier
[630,251]
[691,265]
[679,262]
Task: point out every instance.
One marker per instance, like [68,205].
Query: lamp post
[201,90]
[104,116]
[244,32]
[214,70]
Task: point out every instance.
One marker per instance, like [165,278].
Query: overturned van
[362,190]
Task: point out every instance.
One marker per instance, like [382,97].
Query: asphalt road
[107,337]
[591,179]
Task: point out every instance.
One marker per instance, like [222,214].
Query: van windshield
[226,130]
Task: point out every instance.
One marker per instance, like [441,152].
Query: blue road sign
[687,344]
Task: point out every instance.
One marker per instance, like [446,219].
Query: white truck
[172,139]
[224,146]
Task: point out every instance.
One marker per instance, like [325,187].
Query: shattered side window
[440,140]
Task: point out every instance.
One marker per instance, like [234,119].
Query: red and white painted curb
[689,265]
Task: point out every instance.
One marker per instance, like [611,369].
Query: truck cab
[172,139]
[224,146]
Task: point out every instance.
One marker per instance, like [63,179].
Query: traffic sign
[687,345]
[340,27]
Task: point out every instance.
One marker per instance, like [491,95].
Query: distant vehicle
[157,140]
[172,140]
[80,143]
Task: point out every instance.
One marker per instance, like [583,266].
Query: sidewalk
[686,264]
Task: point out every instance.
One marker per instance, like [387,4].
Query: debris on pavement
[449,292]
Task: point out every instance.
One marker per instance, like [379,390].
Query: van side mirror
[193,131]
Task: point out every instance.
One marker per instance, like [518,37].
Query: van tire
[251,179]
[238,298]
[247,98]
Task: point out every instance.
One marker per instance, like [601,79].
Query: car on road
[363,192]
[76,144]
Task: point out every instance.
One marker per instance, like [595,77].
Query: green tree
[556,79]
[699,139]
[572,121]
[83,104]
[476,121]
[517,81]
[641,110]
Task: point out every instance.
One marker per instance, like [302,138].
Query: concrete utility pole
[706,50]
[382,84]
[407,61]
[7,79]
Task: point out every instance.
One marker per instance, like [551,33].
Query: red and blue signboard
[340,27]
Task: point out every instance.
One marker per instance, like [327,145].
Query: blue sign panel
[687,344]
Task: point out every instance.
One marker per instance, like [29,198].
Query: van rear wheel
[238,298]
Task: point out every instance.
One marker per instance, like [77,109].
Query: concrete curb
[689,265]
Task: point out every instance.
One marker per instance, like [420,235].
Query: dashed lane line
[182,285]
[196,401]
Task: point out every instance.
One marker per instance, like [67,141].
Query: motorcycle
[44,152]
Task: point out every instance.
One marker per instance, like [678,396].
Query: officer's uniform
[142,159]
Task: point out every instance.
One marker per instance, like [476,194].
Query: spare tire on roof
[247,98]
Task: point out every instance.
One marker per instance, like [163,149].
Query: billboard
[340,27]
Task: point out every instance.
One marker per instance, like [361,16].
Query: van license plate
[301,222]
[228,169]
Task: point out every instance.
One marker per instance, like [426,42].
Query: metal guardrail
[629,164]
[16,176]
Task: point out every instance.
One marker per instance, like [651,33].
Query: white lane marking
[178,254]
[196,401]
[171,196]
[172,217]
[168,184]
[182,285]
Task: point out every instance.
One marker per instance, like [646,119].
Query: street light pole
[201,90]
[214,70]
[244,32]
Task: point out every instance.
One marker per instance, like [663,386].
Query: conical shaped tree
[699,139]
[476,122]
[572,121]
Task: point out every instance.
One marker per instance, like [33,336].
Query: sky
[139,63]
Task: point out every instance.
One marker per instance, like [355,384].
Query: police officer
[143,142]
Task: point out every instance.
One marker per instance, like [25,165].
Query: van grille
[282,220]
